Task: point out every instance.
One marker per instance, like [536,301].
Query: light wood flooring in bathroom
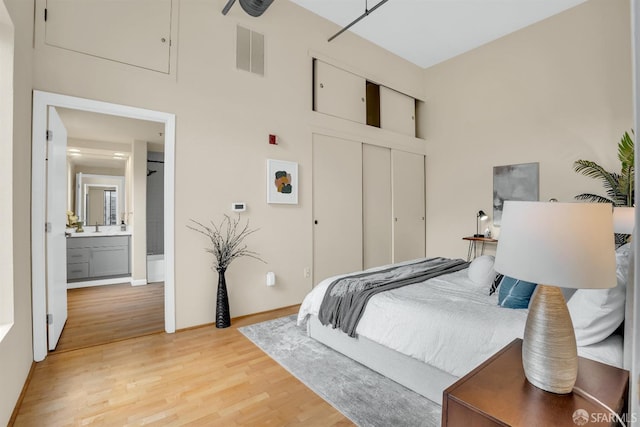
[103,314]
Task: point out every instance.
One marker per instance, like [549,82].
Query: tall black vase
[223,319]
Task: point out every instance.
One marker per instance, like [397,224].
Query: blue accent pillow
[514,293]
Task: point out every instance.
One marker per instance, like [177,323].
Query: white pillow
[481,270]
[597,313]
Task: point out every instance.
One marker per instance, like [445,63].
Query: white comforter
[448,322]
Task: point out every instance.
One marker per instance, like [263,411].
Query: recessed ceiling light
[118,154]
[75,154]
[73,150]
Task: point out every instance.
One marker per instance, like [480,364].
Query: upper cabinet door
[339,93]
[135,32]
[397,112]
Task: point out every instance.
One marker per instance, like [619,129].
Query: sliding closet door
[376,205]
[337,206]
[408,183]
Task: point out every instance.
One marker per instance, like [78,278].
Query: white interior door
[337,206]
[56,245]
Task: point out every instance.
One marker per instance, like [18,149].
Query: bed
[427,335]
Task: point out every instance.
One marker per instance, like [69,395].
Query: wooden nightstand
[497,393]
[473,245]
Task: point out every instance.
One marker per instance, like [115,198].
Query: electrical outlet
[307,272]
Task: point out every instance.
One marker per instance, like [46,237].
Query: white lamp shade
[623,219]
[569,245]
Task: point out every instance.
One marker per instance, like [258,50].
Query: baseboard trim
[138,282]
[235,319]
[265,312]
[16,408]
[101,282]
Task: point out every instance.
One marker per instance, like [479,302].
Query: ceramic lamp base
[549,352]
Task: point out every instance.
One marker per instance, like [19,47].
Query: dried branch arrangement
[226,240]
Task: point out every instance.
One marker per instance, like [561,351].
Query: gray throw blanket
[346,298]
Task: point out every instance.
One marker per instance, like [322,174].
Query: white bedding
[462,325]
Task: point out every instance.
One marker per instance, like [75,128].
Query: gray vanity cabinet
[101,257]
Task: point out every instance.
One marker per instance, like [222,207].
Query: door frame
[42,100]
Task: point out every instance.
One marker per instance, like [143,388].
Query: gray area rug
[362,395]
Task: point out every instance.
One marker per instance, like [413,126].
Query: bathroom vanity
[93,256]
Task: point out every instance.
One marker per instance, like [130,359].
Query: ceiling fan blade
[358,19]
[227,6]
[255,8]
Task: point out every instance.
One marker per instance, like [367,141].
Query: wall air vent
[249,51]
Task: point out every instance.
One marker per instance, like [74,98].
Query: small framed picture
[282,182]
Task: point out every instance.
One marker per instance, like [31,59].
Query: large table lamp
[623,219]
[569,245]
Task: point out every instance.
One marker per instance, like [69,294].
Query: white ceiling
[427,32]
[94,138]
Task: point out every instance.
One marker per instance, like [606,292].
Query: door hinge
[47,227]
[49,135]
[45,14]
[49,319]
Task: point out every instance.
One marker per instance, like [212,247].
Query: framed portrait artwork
[282,182]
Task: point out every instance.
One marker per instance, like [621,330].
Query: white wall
[552,93]
[224,117]
[15,349]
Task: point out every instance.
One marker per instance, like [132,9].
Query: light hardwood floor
[200,377]
[102,314]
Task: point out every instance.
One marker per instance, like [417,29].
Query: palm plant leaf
[593,170]
[618,187]
[627,174]
[595,198]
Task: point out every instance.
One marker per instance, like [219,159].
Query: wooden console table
[473,241]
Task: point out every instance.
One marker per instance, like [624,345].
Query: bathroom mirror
[101,205]
[99,199]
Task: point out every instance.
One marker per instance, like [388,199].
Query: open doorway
[102,304]
[42,104]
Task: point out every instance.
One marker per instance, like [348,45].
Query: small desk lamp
[569,245]
[481,216]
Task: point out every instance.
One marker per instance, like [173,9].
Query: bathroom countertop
[105,233]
